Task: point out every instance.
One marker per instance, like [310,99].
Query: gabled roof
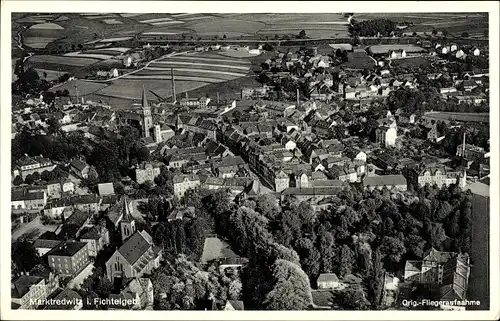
[328,277]
[67,248]
[68,298]
[106,189]
[136,246]
[389,180]
[78,164]
[236,304]
[46,244]
[22,285]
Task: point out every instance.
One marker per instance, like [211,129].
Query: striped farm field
[155,20]
[104,51]
[62,60]
[177,77]
[131,89]
[88,55]
[208,74]
[214,60]
[204,65]
[115,39]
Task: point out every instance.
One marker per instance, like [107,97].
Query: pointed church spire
[127,216]
[144,98]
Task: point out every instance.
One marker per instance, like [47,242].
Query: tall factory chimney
[463,147]
[174,97]
[298,98]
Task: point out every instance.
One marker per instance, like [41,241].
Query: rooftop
[67,248]
[388,180]
[22,285]
[135,247]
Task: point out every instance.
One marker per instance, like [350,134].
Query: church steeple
[144,98]
[127,224]
[127,216]
[147,119]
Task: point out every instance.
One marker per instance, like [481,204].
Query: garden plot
[62,60]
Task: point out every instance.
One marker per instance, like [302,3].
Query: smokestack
[186,95]
[173,84]
[217,97]
[463,147]
[298,98]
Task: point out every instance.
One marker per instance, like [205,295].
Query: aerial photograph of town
[250,161]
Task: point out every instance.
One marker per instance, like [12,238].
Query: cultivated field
[62,60]
[38,36]
[462,117]
[192,71]
[453,23]
[83,87]
[131,89]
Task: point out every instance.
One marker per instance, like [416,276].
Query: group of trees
[29,83]
[180,285]
[364,233]
[111,157]
[370,28]
[426,99]
[185,236]
[45,176]
[267,278]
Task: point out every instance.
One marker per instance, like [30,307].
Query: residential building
[328,281]
[106,189]
[182,183]
[97,238]
[386,136]
[142,289]
[448,271]
[27,165]
[66,300]
[137,256]
[79,168]
[28,292]
[312,194]
[23,199]
[147,172]
[56,188]
[69,258]
[434,174]
[44,246]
